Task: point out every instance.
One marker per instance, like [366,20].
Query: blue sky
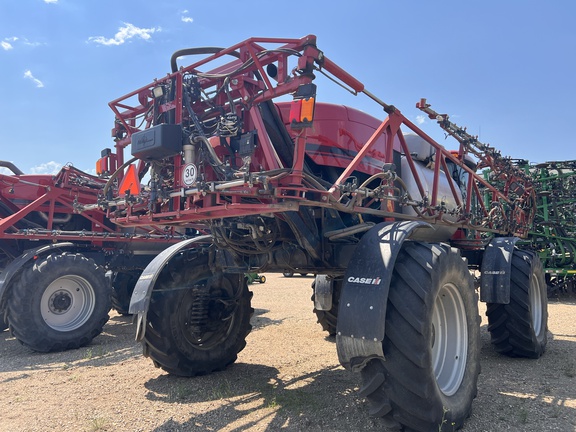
[504,69]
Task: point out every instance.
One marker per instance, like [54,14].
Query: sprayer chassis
[384,220]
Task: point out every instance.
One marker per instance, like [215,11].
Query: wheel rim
[536,304]
[67,303]
[449,339]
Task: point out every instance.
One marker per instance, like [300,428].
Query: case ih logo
[365,281]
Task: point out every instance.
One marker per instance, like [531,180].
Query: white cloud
[32,44]
[46,168]
[186,18]
[51,1]
[28,75]
[420,119]
[125,33]
[8,43]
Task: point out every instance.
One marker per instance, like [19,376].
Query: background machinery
[54,293]
[553,234]
[388,219]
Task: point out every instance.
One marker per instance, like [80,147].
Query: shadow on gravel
[259,321]
[114,345]
[254,397]
[528,394]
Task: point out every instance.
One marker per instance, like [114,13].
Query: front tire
[61,302]
[519,329]
[198,321]
[431,344]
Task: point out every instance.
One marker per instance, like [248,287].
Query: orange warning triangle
[130,183]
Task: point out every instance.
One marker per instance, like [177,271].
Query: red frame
[64,194]
[503,214]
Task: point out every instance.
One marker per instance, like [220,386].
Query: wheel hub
[60,302]
[67,303]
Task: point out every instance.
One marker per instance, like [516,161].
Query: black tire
[288,274]
[519,329]
[328,319]
[262,279]
[60,302]
[123,284]
[431,343]
[198,321]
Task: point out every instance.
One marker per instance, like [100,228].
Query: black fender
[495,270]
[362,312]
[140,300]
[14,266]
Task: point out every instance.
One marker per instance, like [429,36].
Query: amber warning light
[302,108]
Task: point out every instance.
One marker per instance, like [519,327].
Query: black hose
[196,51]
[11,167]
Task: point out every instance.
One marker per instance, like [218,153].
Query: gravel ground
[288,378]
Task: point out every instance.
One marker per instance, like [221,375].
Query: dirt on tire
[287,378]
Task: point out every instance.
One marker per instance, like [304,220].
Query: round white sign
[189,174]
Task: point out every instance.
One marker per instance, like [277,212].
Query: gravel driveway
[288,378]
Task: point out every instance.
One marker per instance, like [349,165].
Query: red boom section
[215,150]
[45,207]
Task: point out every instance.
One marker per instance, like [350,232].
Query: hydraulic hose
[196,51]
[11,167]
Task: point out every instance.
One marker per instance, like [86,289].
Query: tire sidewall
[457,406]
[537,271]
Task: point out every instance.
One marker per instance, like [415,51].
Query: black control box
[157,142]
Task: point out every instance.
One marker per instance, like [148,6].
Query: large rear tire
[431,345]
[519,329]
[60,302]
[198,321]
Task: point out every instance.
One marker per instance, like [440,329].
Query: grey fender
[140,300]
[495,270]
[12,269]
[362,312]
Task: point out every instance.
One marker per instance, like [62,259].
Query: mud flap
[140,300]
[362,311]
[496,269]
